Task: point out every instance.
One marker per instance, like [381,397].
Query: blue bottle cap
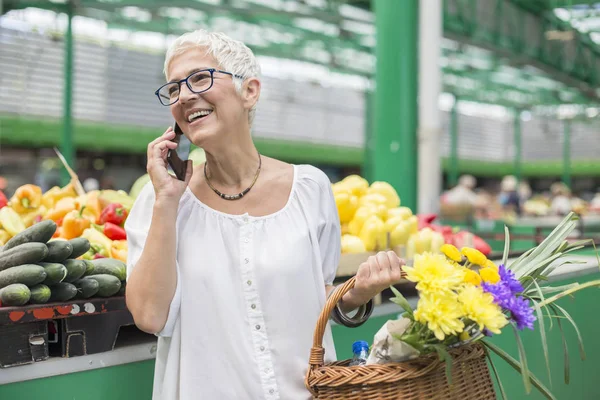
[360,345]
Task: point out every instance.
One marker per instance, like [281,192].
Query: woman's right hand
[166,186]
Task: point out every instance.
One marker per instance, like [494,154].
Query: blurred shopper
[561,199]
[463,193]
[509,197]
[231,266]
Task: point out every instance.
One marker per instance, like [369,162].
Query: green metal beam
[453,168]
[567,153]
[67,137]
[394,154]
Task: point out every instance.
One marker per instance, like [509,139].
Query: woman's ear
[251,92]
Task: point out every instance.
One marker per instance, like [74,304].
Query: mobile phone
[174,157]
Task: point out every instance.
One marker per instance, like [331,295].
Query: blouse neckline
[245,215]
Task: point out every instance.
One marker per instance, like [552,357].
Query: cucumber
[110,266]
[40,233]
[89,267]
[109,285]
[62,291]
[40,294]
[16,294]
[75,269]
[27,274]
[58,250]
[26,253]
[55,273]
[80,247]
[86,288]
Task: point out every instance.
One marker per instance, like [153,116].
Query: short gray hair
[231,55]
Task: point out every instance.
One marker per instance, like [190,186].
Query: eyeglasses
[197,82]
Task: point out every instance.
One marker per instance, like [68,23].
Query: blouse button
[246,240]
[262,348]
[271,391]
[257,327]
[253,306]
[246,260]
[249,283]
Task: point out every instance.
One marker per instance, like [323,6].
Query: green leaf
[445,356]
[570,292]
[506,245]
[565,351]
[572,321]
[402,302]
[523,358]
[540,318]
[517,366]
[495,371]
[555,289]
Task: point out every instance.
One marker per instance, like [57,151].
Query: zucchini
[26,253]
[110,266]
[75,269]
[58,250]
[40,233]
[89,267]
[16,294]
[55,273]
[62,291]
[27,274]
[108,285]
[40,294]
[80,247]
[86,288]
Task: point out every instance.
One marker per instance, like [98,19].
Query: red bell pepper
[112,231]
[3,200]
[425,220]
[114,213]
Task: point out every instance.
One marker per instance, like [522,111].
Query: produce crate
[70,329]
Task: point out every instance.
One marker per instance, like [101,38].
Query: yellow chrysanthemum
[491,264]
[480,308]
[474,256]
[472,277]
[441,313]
[451,252]
[434,273]
[489,275]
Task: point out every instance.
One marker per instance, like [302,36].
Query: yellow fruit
[373,198]
[414,224]
[360,216]
[345,229]
[385,189]
[347,204]
[403,212]
[400,234]
[352,244]
[357,185]
[391,223]
[426,240]
[373,234]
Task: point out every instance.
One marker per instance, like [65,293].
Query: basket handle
[317,353]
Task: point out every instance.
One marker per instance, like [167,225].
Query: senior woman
[231,267]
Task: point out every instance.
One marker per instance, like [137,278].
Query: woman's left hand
[375,275]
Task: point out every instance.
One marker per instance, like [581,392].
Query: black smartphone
[176,162]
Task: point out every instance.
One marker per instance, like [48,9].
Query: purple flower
[487,333]
[500,291]
[507,277]
[521,313]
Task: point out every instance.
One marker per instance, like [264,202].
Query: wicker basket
[423,378]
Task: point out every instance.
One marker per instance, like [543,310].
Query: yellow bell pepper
[119,249]
[426,240]
[403,212]
[107,197]
[52,196]
[61,208]
[74,223]
[26,198]
[414,224]
[347,204]
[345,229]
[10,221]
[91,205]
[400,234]
[373,234]
[387,191]
[100,244]
[34,216]
[4,237]
[352,244]
[354,184]
[361,215]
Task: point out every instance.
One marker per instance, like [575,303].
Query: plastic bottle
[361,353]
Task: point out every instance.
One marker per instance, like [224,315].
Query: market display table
[125,373]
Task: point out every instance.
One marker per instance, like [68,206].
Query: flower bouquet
[465,298]
[441,348]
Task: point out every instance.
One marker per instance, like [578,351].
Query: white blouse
[249,292]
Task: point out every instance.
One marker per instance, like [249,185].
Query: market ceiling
[515,53]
